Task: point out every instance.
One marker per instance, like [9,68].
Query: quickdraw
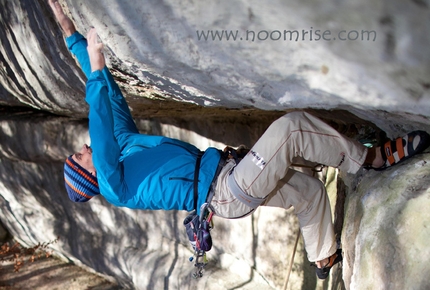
[200,263]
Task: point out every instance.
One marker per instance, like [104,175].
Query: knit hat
[81,185]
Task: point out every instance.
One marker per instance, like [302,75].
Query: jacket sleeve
[124,124]
[123,121]
[106,151]
[77,45]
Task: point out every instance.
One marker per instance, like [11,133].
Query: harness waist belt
[196,178]
[250,201]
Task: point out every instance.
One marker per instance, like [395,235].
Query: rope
[290,267]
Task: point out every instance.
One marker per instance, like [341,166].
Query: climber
[154,172]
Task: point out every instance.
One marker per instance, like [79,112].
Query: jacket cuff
[96,75]
[74,38]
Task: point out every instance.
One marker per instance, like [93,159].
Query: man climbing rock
[154,172]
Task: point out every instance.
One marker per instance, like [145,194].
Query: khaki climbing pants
[265,173]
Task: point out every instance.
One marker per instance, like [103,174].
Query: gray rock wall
[386,228]
[156,44]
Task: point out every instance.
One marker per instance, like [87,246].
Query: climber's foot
[323,267]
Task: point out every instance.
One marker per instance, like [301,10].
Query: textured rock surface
[386,228]
[155,45]
[164,68]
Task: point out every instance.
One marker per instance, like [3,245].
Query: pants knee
[315,197]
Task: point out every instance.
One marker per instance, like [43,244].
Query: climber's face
[85,159]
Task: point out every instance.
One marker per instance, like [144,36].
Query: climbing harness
[250,201]
[198,227]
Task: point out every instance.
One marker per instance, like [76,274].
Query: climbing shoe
[323,272]
[395,151]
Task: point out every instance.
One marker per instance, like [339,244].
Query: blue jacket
[136,170]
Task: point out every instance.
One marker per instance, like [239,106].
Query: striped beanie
[81,185]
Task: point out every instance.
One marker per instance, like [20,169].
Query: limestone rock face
[386,228]
[184,79]
[367,57]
